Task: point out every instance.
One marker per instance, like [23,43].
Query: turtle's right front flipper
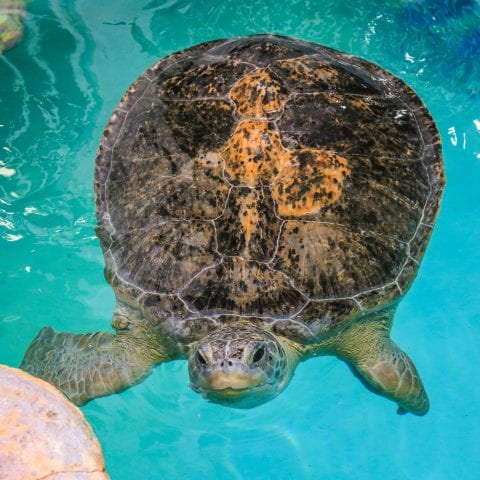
[88,366]
[387,370]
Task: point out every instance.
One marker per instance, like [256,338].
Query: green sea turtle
[260,200]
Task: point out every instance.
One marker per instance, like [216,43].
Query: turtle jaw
[235,386]
[241,399]
[235,389]
[235,380]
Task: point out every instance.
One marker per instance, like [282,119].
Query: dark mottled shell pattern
[268,178]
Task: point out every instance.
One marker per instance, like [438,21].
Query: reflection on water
[57,90]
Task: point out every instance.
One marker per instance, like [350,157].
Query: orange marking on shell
[257,94]
[307,70]
[361,105]
[303,180]
[253,153]
[313,181]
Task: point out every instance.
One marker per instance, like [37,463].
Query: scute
[200,125]
[311,74]
[242,287]
[261,50]
[317,318]
[327,261]
[348,124]
[249,226]
[204,80]
[381,196]
[269,178]
[163,258]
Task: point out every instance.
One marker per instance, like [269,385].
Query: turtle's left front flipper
[91,365]
[382,365]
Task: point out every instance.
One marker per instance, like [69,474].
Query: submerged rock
[11,23]
[42,434]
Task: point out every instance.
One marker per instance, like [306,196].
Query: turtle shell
[270,178]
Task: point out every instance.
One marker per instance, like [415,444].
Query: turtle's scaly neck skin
[241,365]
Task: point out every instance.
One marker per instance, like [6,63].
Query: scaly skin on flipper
[91,365]
[381,364]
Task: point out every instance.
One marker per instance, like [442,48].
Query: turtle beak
[234,379]
[233,386]
[230,377]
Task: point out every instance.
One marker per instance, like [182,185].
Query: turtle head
[241,365]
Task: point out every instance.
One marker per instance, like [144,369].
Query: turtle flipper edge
[86,366]
[383,367]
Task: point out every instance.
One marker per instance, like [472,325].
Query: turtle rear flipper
[89,365]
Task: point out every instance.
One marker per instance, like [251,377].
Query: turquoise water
[57,90]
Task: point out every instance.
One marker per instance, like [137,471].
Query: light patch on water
[7,172]
[12,238]
[33,211]
[6,224]
[453,136]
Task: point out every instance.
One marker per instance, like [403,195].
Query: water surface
[57,90]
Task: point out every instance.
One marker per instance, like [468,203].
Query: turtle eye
[201,358]
[258,355]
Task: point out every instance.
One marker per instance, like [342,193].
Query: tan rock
[42,434]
